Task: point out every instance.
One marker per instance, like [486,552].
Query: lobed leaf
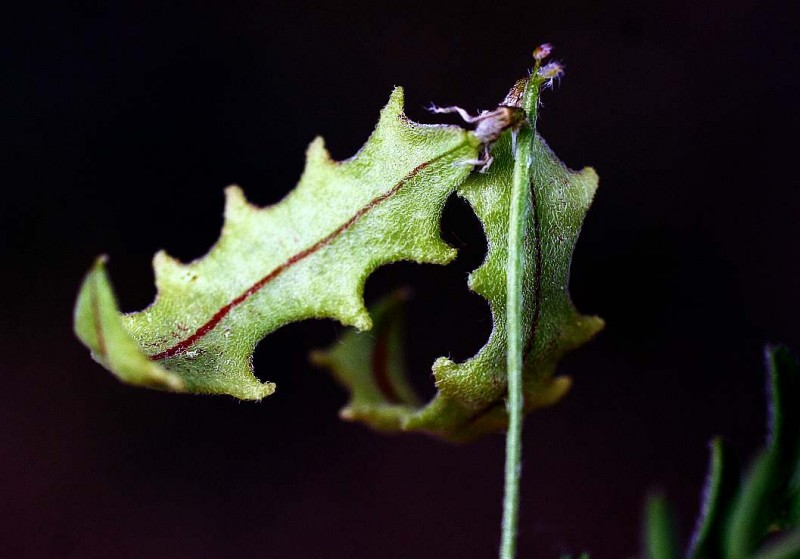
[305,257]
[470,397]
[560,199]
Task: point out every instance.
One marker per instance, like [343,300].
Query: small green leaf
[305,257]
[784,384]
[767,500]
[753,511]
[371,366]
[784,439]
[661,541]
[718,494]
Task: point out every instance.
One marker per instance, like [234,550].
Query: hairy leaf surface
[470,398]
[305,257]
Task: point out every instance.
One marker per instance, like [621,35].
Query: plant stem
[520,208]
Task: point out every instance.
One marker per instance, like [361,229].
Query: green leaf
[372,367]
[471,395]
[751,516]
[784,439]
[767,499]
[719,492]
[100,326]
[787,547]
[661,542]
[305,257]
[560,198]
[736,519]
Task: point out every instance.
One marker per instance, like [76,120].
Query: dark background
[123,121]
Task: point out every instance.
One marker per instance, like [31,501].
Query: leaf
[718,494]
[560,199]
[765,500]
[305,257]
[470,398]
[98,323]
[784,440]
[661,541]
[735,518]
[371,366]
[787,547]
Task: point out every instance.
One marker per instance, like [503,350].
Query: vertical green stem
[518,216]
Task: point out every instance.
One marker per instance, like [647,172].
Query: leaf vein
[209,325]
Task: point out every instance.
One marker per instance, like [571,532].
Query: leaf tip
[590,180]
[167,270]
[262,391]
[397,96]
[545,395]
[235,202]
[395,107]
[591,324]
[363,321]
[441,368]
[86,313]
[98,325]
[162,259]
[317,153]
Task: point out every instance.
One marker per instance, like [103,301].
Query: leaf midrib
[211,323]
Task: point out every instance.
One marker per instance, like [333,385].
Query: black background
[123,121]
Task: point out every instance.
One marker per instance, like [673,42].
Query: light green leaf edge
[306,257]
[470,397]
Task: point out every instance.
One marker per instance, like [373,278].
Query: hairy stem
[519,212]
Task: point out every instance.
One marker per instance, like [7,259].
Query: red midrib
[257,286]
